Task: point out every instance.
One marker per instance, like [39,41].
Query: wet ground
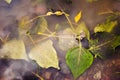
[10,16]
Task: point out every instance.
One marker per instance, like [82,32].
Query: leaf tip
[8,1]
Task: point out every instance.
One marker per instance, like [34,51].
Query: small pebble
[97,76]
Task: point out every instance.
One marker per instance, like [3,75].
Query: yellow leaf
[105,27]
[58,13]
[45,55]
[14,49]
[49,13]
[78,17]
[8,1]
[39,33]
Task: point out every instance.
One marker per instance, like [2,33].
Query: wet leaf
[66,39]
[39,26]
[45,55]
[82,28]
[14,49]
[23,23]
[49,13]
[105,45]
[78,60]
[91,0]
[57,27]
[78,17]
[58,13]
[108,26]
[116,42]
[8,1]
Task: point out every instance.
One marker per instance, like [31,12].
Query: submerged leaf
[57,27]
[82,28]
[14,49]
[78,60]
[78,17]
[91,0]
[8,1]
[115,42]
[45,55]
[108,26]
[105,45]
[23,23]
[39,26]
[66,39]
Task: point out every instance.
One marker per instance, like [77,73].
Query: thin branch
[98,46]
[31,39]
[38,76]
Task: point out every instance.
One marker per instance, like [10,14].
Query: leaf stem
[80,47]
[69,22]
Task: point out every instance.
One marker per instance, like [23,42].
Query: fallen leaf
[45,55]
[92,0]
[39,26]
[14,49]
[23,23]
[104,44]
[49,13]
[58,13]
[8,1]
[78,60]
[66,39]
[116,42]
[78,17]
[57,27]
[108,26]
[82,28]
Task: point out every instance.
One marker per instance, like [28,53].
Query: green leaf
[83,28]
[116,42]
[8,1]
[78,60]
[108,26]
[14,49]
[45,55]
